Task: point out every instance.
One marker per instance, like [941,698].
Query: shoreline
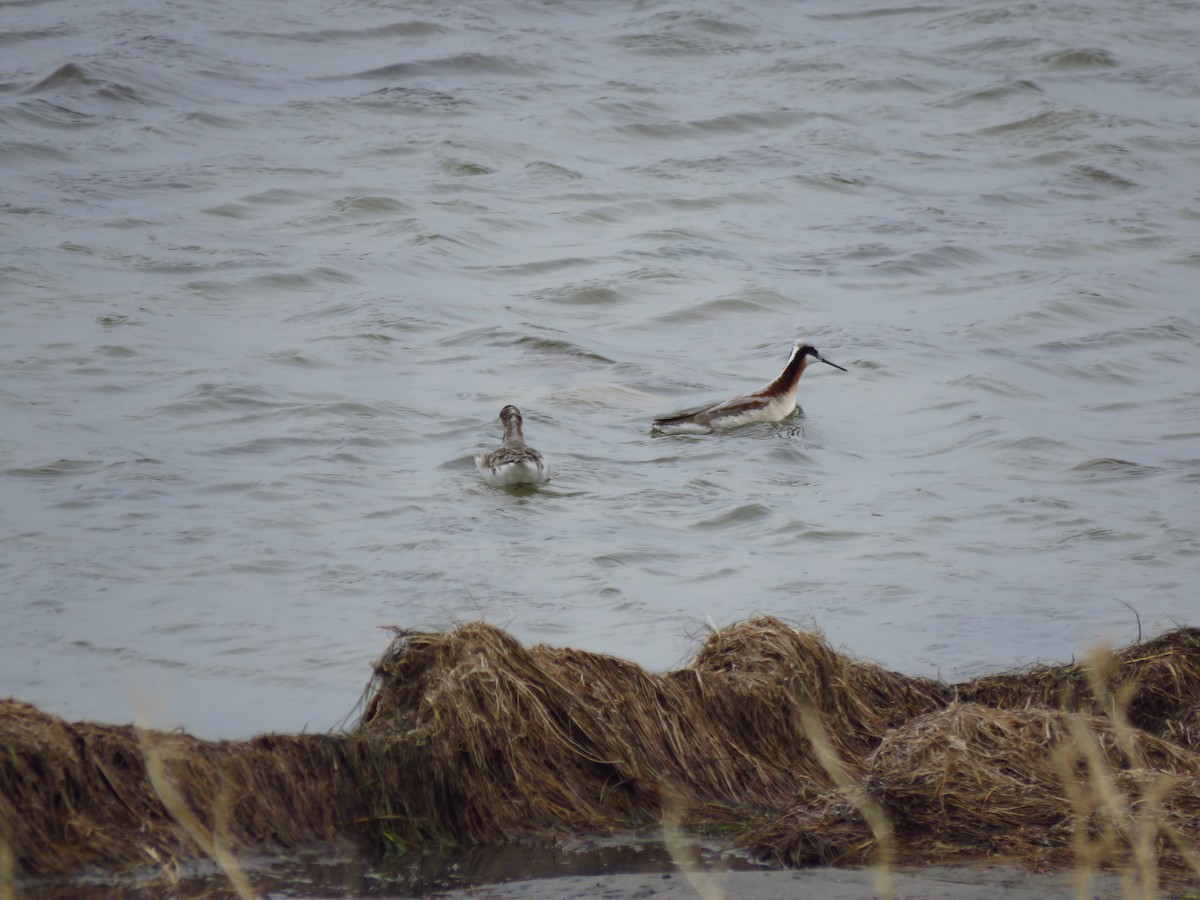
[970,882]
[769,741]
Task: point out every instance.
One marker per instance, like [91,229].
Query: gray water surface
[269,271]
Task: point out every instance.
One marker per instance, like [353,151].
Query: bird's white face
[803,348]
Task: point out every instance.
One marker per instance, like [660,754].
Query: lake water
[269,271]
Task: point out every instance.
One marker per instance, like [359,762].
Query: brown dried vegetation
[803,754]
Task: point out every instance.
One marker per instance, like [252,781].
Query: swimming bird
[772,403]
[514,462]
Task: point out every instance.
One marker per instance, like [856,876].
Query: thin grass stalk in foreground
[7,867]
[872,812]
[211,843]
[1185,846]
[1139,819]
[1098,801]
[683,851]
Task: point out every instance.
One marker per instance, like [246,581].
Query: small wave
[827,535]
[115,350]
[607,396]
[298,360]
[879,12]
[266,565]
[1065,124]
[1015,198]
[211,396]
[266,445]
[866,84]
[355,209]
[15,37]
[734,123]
[1043,502]
[60,468]
[464,167]
[558,347]
[689,251]
[972,430]
[987,15]
[1170,330]
[1079,306]
[1003,45]
[840,182]
[462,64]
[727,308]
[619,110]
[542,169]
[1088,174]
[259,412]
[658,274]
[1037,444]
[67,75]
[16,152]
[1056,249]
[311,279]
[1097,533]
[71,77]
[991,385]
[413,28]
[696,23]
[739,515]
[212,120]
[250,205]
[1084,58]
[375,329]
[114,320]
[413,100]
[42,113]
[573,295]
[990,94]
[1189,258]
[472,336]
[670,44]
[947,256]
[1110,469]
[541,266]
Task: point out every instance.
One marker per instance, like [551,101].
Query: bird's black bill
[828,363]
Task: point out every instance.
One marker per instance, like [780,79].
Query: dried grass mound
[1157,682]
[829,831]
[498,747]
[511,742]
[470,737]
[857,702]
[1032,782]
[74,796]
[671,743]
[1031,785]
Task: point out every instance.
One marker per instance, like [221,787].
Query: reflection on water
[428,872]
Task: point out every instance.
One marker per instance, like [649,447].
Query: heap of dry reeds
[1038,786]
[523,740]
[1156,682]
[74,796]
[812,756]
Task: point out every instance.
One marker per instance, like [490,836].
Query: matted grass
[801,753]
[1157,682]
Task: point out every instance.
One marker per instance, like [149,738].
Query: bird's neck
[513,435]
[789,378]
